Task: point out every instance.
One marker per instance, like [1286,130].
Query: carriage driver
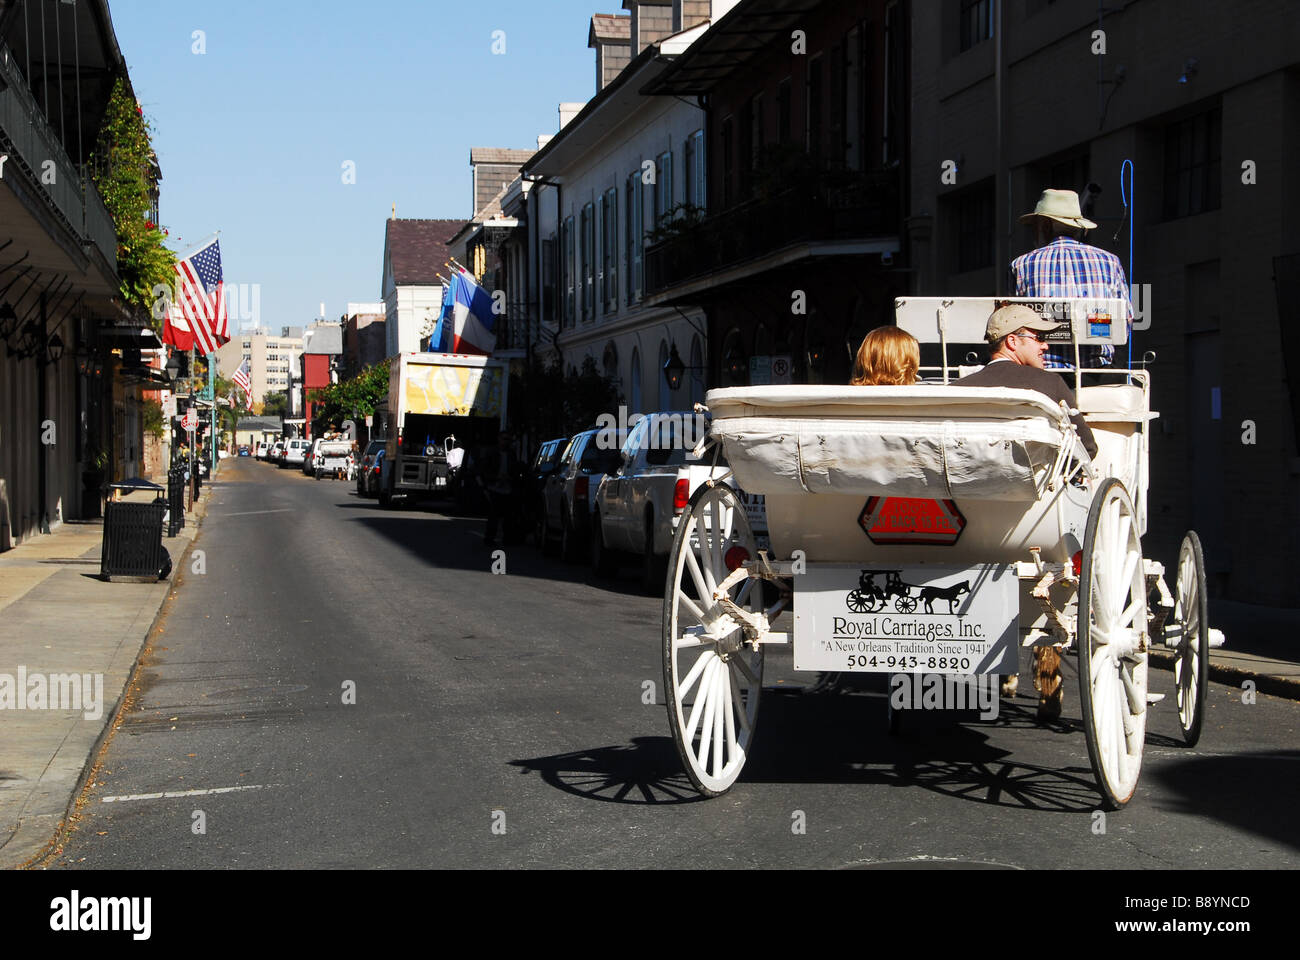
[1017,361]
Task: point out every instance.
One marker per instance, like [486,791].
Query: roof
[729,45]
[498,155]
[258,423]
[609,26]
[326,338]
[417,249]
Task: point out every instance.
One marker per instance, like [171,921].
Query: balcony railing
[858,209]
[33,141]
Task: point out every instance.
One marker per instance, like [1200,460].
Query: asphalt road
[498,721]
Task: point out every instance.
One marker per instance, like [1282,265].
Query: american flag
[244,383]
[202,299]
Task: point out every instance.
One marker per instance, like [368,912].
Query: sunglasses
[1038,338]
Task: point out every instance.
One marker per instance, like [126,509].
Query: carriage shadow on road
[647,771]
[831,737]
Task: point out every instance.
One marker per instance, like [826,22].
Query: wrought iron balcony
[840,212]
[27,136]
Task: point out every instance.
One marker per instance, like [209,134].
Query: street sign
[910,520]
[190,420]
[782,368]
[760,371]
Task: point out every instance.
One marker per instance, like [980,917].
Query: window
[783,111]
[757,130]
[813,113]
[973,213]
[665,394]
[634,233]
[696,195]
[837,130]
[663,198]
[728,161]
[570,271]
[550,279]
[634,381]
[588,261]
[609,250]
[976,22]
[1192,167]
[852,100]
[893,127]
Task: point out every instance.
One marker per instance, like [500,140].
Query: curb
[92,758]
[1274,686]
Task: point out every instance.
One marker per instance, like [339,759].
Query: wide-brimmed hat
[1061,206]
[1013,317]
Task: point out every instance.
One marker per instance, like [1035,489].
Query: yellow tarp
[453,390]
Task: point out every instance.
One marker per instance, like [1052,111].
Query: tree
[357,396]
[275,403]
[125,171]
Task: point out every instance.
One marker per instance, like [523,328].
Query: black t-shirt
[1005,373]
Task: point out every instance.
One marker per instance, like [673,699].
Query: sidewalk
[58,617]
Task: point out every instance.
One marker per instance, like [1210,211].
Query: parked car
[309,461]
[243,450]
[276,452]
[544,464]
[570,490]
[295,452]
[368,470]
[262,448]
[635,506]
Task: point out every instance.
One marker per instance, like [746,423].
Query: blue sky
[252,135]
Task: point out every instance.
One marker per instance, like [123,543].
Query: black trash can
[132,550]
[176,499]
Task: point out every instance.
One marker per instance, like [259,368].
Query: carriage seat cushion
[1113,403]
[988,443]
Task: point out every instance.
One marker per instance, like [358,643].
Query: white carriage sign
[919,619]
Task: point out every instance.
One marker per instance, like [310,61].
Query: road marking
[184,793]
[249,513]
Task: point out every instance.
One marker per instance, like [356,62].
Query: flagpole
[190,435]
[212,389]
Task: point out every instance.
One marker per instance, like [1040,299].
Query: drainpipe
[42,415]
[1001,225]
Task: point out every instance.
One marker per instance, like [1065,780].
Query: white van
[295,452]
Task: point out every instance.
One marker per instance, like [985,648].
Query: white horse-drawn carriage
[932,529]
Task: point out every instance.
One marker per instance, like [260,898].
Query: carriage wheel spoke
[742,705]
[721,696]
[693,565]
[709,667]
[744,668]
[691,607]
[708,691]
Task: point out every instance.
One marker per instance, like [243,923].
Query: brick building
[1204,99]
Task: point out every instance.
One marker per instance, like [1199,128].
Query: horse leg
[1047,681]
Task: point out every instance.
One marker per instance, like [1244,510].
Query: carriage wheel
[1113,643]
[713,680]
[904,603]
[859,602]
[1191,610]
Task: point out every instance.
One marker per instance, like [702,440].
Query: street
[344,686]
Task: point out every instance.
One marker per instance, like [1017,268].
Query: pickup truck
[637,507]
[439,405]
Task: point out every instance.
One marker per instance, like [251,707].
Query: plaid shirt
[1065,269]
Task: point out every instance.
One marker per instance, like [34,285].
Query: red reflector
[1077,560]
[681,494]
[735,557]
[580,487]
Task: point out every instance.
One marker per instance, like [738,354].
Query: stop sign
[890,520]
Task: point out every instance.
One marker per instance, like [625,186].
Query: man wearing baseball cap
[1064,267]
[1014,333]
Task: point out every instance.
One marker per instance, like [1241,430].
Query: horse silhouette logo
[950,593]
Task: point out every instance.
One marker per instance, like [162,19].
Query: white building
[625,163]
[415,252]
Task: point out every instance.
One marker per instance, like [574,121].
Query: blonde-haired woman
[888,357]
